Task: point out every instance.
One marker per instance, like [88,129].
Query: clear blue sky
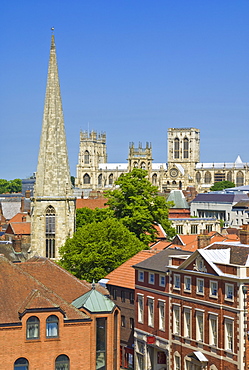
[131,68]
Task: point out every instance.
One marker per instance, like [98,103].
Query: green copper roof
[94,302]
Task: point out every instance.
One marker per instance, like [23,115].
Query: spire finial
[93,284]
[52,29]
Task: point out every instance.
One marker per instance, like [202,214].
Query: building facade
[192,311]
[183,167]
[52,204]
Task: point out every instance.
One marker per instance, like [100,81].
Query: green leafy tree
[98,248]
[86,215]
[221,185]
[11,186]
[137,204]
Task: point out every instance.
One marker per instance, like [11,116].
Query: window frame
[140,308]
[151,278]
[211,294]
[151,311]
[175,278]
[199,332]
[140,276]
[63,362]
[52,322]
[213,336]
[227,297]
[21,365]
[229,339]
[176,320]
[198,281]
[36,324]
[161,315]
[187,284]
[187,323]
[160,280]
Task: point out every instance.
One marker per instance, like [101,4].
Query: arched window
[100,180]
[230,176]
[86,157]
[154,179]
[176,148]
[185,148]
[135,164]
[52,326]
[111,179]
[33,328]
[50,232]
[177,361]
[86,179]
[21,364]
[143,166]
[174,182]
[239,179]
[180,185]
[198,177]
[62,363]
[207,178]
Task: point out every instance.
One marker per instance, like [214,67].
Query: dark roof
[159,261]
[218,197]
[243,203]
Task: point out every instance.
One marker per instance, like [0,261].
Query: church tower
[53,204]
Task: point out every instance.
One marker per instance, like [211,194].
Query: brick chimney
[24,218]
[203,241]
[244,234]
[17,245]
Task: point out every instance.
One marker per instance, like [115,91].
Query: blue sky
[131,68]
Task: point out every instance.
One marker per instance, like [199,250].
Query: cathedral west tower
[53,204]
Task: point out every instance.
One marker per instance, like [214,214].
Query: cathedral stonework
[182,170]
[53,204]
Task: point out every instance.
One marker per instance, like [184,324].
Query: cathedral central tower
[53,204]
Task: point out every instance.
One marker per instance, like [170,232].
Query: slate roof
[218,197]
[238,253]
[17,286]
[124,275]
[11,208]
[159,261]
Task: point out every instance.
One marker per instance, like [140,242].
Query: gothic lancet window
[86,157]
[198,177]
[86,179]
[185,148]
[207,178]
[100,180]
[50,232]
[176,148]
[230,176]
[143,165]
[240,179]
[111,179]
[154,179]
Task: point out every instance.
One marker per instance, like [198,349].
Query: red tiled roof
[124,275]
[91,203]
[160,245]
[19,217]
[17,285]
[19,228]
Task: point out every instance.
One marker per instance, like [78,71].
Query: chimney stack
[244,234]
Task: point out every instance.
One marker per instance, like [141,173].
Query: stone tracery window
[230,176]
[239,179]
[198,177]
[86,179]
[50,232]
[176,148]
[185,148]
[207,178]
[86,157]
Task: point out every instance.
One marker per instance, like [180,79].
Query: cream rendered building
[182,170]
[53,204]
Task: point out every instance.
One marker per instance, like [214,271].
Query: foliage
[220,185]
[11,186]
[137,204]
[98,248]
[86,215]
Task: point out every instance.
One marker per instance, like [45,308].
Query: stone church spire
[53,176]
[53,204]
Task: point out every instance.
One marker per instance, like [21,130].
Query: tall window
[62,363]
[161,311]
[198,177]
[21,364]
[86,179]
[187,284]
[213,330]
[176,319]
[229,291]
[213,289]
[176,148]
[143,165]
[100,180]
[230,176]
[199,286]
[101,343]
[52,326]
[86,157]
[239,179]
[187,323]
[154,179]
[111,179]
[207,178]
[177,361]
[229,335]
[179,229]
[177,281]
[194,229]
[150,312]
[199,326]
[140,309]
[185,148]
[50,232]
[33,328]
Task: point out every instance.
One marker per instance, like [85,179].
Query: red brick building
[192,311]
[51,320]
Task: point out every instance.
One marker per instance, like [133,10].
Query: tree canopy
[86,215]
[98,248]
[221,185]
[137,204]
[11,186]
